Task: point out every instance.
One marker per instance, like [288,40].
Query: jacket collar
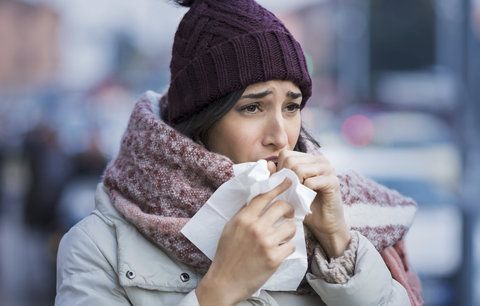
[139,262]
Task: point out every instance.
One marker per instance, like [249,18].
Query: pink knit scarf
[161,178]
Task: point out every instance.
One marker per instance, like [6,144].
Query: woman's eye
[251,108]
[293,107]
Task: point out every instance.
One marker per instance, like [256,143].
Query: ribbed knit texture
[337,270]
[223,46]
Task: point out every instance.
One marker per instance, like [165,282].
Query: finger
[307,170]
[272,168]
[285,155]
[258,203]
[323,183]
[285,231]
[285,250]
[277,211]
[290,160]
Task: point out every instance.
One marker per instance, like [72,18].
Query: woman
[239,80]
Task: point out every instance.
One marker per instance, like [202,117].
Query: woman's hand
[327,221]
[252,246]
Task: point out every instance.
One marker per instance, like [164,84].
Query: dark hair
[186,3]
[199,125]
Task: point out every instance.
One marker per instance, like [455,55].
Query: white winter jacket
[104,260]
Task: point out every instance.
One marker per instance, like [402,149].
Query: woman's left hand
[327,221]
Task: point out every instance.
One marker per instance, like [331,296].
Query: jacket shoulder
[86,265]
[87,246]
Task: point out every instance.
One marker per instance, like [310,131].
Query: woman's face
[263,122]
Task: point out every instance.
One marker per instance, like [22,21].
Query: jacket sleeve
[189,300]
[84,275]
[371,284]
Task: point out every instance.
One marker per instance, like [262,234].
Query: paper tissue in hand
[251,179]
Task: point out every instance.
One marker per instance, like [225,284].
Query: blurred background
[396,98]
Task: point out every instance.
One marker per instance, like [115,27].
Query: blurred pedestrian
[86,168]
[49,168]
[238,82]
[2,157]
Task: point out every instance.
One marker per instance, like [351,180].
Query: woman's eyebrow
[257,95]
[294,95]
[290,94]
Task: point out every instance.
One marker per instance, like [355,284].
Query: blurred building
[29,38]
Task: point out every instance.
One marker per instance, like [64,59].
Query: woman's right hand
[252,246]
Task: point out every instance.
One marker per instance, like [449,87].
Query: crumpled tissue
[251,179]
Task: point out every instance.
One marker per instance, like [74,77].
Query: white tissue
[251,179]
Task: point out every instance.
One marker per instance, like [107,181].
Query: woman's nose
[276,133]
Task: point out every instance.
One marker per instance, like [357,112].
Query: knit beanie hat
[222,46]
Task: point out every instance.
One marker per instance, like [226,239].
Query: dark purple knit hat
[223,46]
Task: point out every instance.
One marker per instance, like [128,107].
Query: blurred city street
[26,262]
[396,97]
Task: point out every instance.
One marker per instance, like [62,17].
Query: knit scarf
[161,178]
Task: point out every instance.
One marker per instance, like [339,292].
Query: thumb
[271,167]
